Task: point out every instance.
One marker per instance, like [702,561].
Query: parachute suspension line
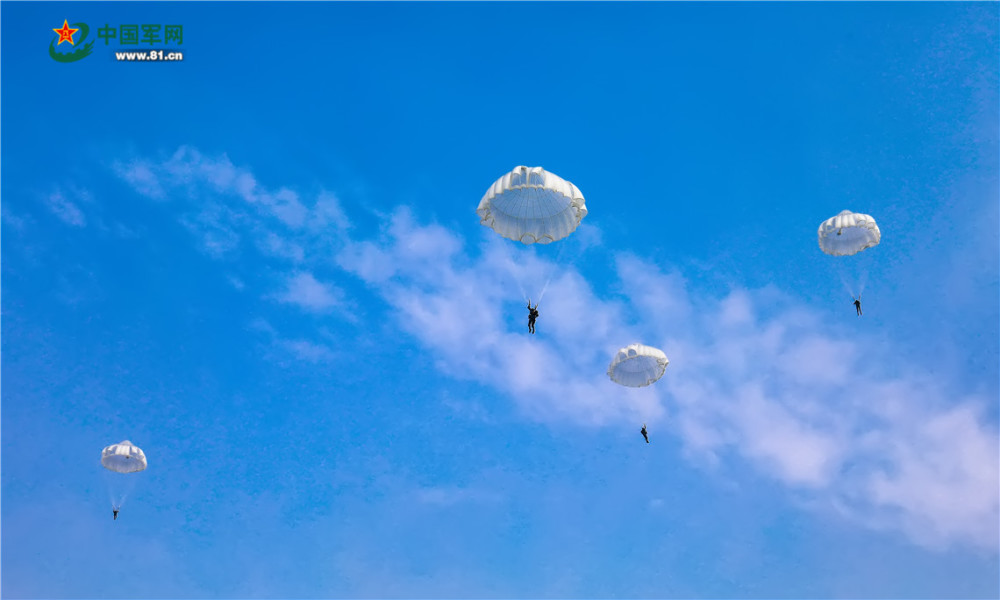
[842,273]
[120,486]
[853,272]
[864,263]
[552,269]
[512,268]
[516,272]
[524,294]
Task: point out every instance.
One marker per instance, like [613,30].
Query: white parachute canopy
[123,457]
[848,233]
[638,365]
[532,206]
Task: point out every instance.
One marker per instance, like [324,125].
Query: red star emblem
[66,33]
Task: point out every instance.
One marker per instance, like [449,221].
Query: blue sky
[263,266]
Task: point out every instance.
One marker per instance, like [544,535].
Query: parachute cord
[120,486]
[520,284]
[512,267]
[552,269]
[843,277]
[854,272]
[542,293]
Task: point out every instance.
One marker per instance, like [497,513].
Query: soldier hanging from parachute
[848,235]
[532,206]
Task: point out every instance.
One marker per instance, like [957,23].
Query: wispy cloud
[223,205]
[9,219]
[305,291]
[141,176]
[67,211]
[456,308]
[756,378]
[309,351]
[301,349]
[216,226]
[229,212]
[328,214]
[274,245]
[286,207]
[190,176]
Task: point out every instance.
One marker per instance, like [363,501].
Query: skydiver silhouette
[643,432]
[116,513]
[532,315]
[857,304]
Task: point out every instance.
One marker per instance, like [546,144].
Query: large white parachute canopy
[848,233]
[123,457]
[638,365]
[532,206]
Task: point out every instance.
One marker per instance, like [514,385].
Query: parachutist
[644,432]
[124,459]
[532,315]
[857,304]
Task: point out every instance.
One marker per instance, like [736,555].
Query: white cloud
[223,204]
[140,174]
[198,176]
[942,475]
[302,349]
[12,220]
[755,378]
[736,310]
[217,228]
[458,311]
[659,299]
[288,208]
[797,452]
[274,245]
[308,351]
[368,261]
[305,291]
[261,325]
[328,214]
[65,210]
[123,231]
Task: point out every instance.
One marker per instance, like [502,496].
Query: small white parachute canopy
[531,205]
[637,365]
[848,233]
[123,457]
